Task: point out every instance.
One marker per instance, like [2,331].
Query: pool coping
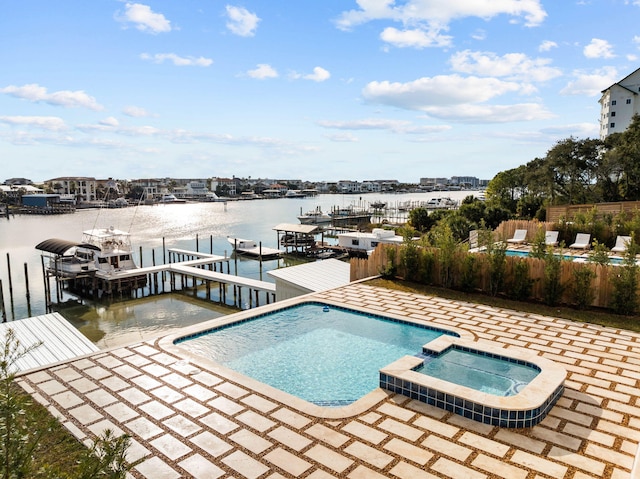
[363,404]
[535,395]
[525,409]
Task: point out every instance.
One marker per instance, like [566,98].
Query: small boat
[170,198]
[378,205]
[314,217]
[441,203]
[251,248]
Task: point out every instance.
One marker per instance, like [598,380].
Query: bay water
[154,229]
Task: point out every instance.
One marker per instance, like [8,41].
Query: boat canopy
[60,246]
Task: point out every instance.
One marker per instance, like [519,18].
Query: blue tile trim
[470,409]
[321,304]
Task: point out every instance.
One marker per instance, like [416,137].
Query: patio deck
[191,422]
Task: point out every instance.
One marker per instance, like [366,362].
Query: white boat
[170,198]
[363,244]
[102,251]
[314,217]
[441,203]
[251,248]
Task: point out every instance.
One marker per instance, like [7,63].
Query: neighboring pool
[566,257]
[327,355]
[482,372]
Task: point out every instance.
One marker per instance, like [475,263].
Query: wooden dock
[186,271]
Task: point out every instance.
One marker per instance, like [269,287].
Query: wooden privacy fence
[381,258]
[506,229]
[568,212]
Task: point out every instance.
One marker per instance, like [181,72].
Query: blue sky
[317,90]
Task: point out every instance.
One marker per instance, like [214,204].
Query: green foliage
[390,270]
[581,289]
[420,219]
[409,258]
[521,282]
[497,260]
[624,297]
[553,287]
[539,245]
[469,272]
[23,433]
[444,240]
[599,253]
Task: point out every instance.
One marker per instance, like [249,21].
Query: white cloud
[319,75]
[511,65]
[547,45]
[110,121]
[177,60]
[396,126]
[441,90]
[135,111]
[36,93]
[598,48]
[263,71]
[416,38]
[343,138]
[144,18]
[590,83]
[438,13]
[50,123]
[469,113]
[241,21]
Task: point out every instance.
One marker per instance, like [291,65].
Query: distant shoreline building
[618,104]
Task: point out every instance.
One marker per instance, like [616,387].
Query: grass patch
[594,316]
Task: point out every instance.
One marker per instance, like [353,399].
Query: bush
[624,298]
[552,281]
[581,291]
[468,273]
[521,284]
[26,438]
[390,269]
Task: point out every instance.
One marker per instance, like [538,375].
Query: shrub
[624,297]
[599,253]
[444,240]
[468,272]
[24,436]
[581,291]
[552,280]
[521,284]
[390,269]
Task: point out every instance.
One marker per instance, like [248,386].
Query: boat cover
[60,246]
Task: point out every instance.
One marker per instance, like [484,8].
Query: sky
[315,90]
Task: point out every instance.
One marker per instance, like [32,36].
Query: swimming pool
[326,355]
[567,257]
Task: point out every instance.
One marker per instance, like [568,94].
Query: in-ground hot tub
[512,388]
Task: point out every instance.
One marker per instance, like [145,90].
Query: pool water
[329,356]
[485,373]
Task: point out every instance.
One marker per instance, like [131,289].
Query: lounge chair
[551,238]
[621,244]
[519,236]
[583,241]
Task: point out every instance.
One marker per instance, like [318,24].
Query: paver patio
[190,422]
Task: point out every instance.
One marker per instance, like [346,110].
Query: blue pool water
[326,355]
[486,373]
[567,257]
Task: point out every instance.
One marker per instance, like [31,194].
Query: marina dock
[186,271]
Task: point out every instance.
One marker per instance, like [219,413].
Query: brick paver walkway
[188,422]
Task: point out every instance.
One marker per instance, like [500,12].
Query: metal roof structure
[61,341]
[60,246]
[295,228]
[315,276]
